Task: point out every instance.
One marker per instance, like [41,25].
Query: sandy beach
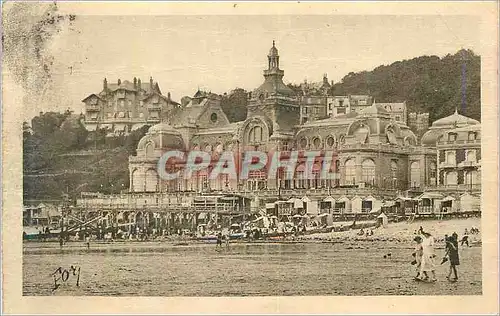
[313,265]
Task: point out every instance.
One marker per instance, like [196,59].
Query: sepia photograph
[248,155]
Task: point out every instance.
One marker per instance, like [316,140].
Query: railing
[91,107]
[462,141]
[447,164]
[469,164]
[455,187]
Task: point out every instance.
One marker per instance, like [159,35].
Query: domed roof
[374,109]
[273,51]
[454,120]
[430,137]
[162,136]
[163,128]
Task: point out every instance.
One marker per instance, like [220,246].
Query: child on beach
[452,254]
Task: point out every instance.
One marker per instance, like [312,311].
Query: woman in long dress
[428,256]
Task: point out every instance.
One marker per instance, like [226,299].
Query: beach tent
[382,219]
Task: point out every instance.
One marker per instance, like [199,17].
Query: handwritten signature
[62,275]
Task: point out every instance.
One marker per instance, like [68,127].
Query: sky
[219,53]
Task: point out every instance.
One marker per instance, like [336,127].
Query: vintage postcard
[249,158]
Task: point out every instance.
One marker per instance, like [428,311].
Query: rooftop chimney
[105,84]
[119,82]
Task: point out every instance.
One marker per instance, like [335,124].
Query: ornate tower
[274,105]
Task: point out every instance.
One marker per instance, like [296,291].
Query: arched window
[341,139]
[303,143]
[317,143]
[368,171]
[361,134]
[219,148]
[394,173]
[151,181]
[350,171]
[330,141]
[256,135]
[150,147]
[472,177]
[432,173]
[137,181]
[414,174]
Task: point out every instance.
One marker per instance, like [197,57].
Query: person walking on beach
[61,240]
[418,256]
[452,254]
[219,241]
[226,238]
[428,256]
[465,239]
[87,240]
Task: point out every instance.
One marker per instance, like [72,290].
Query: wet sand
[246,269]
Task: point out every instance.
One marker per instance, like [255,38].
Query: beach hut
[449,205]
[327,205]
[342,205]
[297,203]
[429,203]
[469,203]
[370,204]
[406,205]
[356,204]
[388,207]
[382,220]
[312,208]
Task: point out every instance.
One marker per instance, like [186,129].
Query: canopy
[404,198]
[202,215]
[329,199]
[430,195]
[369,198]
[323,215]
[343,199]
[449,198]
[235,225]
[297,216]
[306,199]
[388,203]
[270,205]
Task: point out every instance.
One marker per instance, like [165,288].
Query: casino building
[377,155]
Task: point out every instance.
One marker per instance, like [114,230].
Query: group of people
[368,232]
[424,256]
[220,239]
